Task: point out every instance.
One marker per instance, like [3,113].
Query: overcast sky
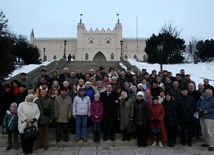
[59,18]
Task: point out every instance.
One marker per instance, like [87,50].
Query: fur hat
[30,96]
[140,93]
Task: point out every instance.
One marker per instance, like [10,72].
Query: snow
[197,71]
[26,68]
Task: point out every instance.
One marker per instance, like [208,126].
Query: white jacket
[81,106]
[27,110]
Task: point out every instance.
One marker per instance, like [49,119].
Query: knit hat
[14,104]
[30,96]
[140,93]
[96,95]
[140,84]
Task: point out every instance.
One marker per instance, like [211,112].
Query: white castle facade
[92,45]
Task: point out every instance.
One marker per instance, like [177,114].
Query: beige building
[92,45]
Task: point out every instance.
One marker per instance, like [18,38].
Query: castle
[92,45]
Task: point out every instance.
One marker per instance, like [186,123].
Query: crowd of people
[158,106]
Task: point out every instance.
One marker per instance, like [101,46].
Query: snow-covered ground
[27,68]
[197,71]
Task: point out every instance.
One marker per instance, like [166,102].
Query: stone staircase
[73,65]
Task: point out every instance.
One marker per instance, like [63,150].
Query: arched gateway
[99,57]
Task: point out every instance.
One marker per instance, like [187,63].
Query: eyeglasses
[140,96]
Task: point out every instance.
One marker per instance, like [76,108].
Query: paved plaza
[196,149]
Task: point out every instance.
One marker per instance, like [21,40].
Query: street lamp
[65,41]
[160,49]
[44,54]
[121,53]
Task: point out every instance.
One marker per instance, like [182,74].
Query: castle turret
[32,37]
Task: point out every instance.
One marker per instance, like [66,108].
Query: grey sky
[59,18]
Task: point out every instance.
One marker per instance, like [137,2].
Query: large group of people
[158,106]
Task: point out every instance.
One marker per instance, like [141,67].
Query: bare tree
[169,28]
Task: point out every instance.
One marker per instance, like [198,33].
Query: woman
[171,118]
[55,90]
[157,117]
[28,114]
[89,90]
[142,118]
[125,113]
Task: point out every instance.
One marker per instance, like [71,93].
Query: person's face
[178,77]
[182,72]
[113,81]
[13,108]
[175,84]
[123,74]
[118,90]
[81,83]
[74,88]
[22,89]
[30,100]
[43,73]
[97,98]
[201,86]
[99,85]
[154,85]
[42,80]
[109,88]
[15,84]
[206,81]
[168,97]
[162,94]
[144,81]
[66,71]
[78,71]
[184,92]
[148,93]
[127,85]
[63,93]
[81,93]
[44,86]
[191,87]
[23,76]
[55,74]
[208,93]
[139,97]
[88,85]
[55,84]
[87,76]
[7,90]
[167,79]
[72,74]
[134,89]
[105,78]
[123,94]
[43,93]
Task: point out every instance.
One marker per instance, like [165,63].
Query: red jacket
[96,109]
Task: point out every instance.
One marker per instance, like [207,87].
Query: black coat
[142,114]
[109,106]
[186,105]
[171,112]
[20,97]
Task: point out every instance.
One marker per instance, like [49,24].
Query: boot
[9,141]
[160,144]
[95,136]
[128,137]
[154,143]
[98,135]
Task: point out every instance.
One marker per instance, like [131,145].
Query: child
[11,126]
[96,110]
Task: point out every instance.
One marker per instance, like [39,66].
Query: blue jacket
[81,105]
[206,104]
[14,122]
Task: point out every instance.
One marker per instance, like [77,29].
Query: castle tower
[32,37]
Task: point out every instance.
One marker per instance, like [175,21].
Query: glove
[33,120]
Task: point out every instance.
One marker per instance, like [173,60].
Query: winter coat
[206,104]
[125,112]
[72,81]
[142,114]
[90,92]
[20,97]
[27,110]
[53,92]
[26,82]
[62,109]
[10,121]
[186,105]
[176,92]
[109,106]
[81,105]
[158,113]
[96,109]
[45,103]
[171,112]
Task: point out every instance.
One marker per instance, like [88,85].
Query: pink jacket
[96,109]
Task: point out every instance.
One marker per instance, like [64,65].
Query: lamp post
[44,54]
[65,42]
[121,53]
[160,49]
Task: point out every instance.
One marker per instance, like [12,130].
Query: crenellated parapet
[134,38]
[55,38]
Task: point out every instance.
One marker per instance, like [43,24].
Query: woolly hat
[30,96]
[140,84]
[140,93]
[14,104]
[96,95]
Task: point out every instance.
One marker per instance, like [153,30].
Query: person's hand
[131,119]
[74,116]
[96,116]
[27,120]
[116,101]
[205,112]
[33,120]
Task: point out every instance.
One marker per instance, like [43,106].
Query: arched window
[125,57]
[54,57]
[112,56]
[135,57]
[86,56]
[74,57]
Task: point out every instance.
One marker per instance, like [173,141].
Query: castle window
[112,56]
[91,41]
[86,56]
[54,57]
[108,42]
[135,57]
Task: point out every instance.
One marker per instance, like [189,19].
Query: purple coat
[96,109]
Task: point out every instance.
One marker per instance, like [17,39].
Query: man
[207,85]
[72,80]
[46,108]
[20,97]
[63,110]
[24,81]
[129,74]
[64,75]
[186,106]
[175,91]
[44,74]
[81,111]
[205,107]
[201,89]
[122,79]
[79,74]
[110,103]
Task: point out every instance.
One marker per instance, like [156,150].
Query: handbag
[46,111]
[131,127]
[156,131]
[30,132]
